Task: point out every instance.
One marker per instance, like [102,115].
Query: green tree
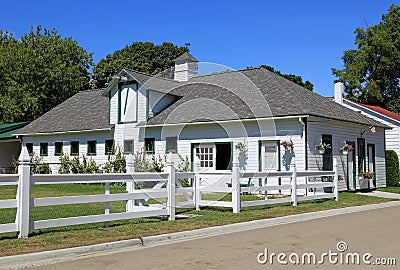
[291,77]
[371,72]
[39,71]
[141,56]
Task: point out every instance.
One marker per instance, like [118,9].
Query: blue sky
[306,38]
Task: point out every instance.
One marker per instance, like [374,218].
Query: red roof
[382,111]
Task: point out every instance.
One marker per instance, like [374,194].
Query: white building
[207,116]
[386,117]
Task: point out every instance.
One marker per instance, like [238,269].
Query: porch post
[294,182]
[336,179]
[171,188]
[197,180]
[131,185]
[235,183]
[24,194]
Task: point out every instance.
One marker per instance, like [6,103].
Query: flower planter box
[363,182]
[345,152]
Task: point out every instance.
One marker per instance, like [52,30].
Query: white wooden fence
[166,187]
[239,178]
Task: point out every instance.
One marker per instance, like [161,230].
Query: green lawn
[71,236]
[390,189]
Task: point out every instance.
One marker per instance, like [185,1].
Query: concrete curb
[40,258]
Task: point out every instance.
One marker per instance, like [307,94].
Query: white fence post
[106,204]
[294,182]
[197,180]
[336,179]
[24,194]
[131,185]
[171,188]
[235,183]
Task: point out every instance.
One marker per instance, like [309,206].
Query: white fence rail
[166,186]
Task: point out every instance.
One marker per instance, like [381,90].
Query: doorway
[351,168]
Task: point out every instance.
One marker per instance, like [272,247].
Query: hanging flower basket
[346,149]
[321,147]
[288,145]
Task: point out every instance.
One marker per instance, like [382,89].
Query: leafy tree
[371,72]
[291,77]
[141,56]
[39,71]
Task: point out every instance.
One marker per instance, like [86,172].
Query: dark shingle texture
[186,56]
[154,83]
[247,94]
[86,110]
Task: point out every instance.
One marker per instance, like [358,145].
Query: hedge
[392,169]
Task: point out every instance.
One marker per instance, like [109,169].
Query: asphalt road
[375,231]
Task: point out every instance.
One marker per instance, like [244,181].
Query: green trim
[107,149]
[72,144]
[56,145]
[373,161]
[44,149]
[91,144]
[29,147]
[146,144]
[109,108]
[147,104]
[260,142]
[353,144]
[133,146]
[305,142]
[192,145]
[359,142]
[167,147]
[328,154]
[119,102]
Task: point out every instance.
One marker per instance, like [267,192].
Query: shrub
[392,169]
[76,166]
[37,165]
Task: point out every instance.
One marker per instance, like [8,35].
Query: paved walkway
[373,232]
[369,226]
[381,194]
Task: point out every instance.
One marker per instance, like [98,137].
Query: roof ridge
[153,76]
[227,71]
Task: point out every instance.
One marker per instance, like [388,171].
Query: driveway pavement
[373,231]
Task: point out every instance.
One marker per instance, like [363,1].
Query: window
[74,148]
[127,102]
[29,147]
[327,158]
[128,146]
[270,155]
[44,147]
[109,147]
[206,156]
[58,148]
[171,145]
[149,145]
[91,148]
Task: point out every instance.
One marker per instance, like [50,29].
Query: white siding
[250,133]
[67,138]
[392,135]
[114,106]
[341,132]
[159,101]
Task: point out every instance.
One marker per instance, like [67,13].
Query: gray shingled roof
[186,56]
[86,110]
[249,94]
[154,83]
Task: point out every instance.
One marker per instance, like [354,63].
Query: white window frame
[270,144]
[197,154]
